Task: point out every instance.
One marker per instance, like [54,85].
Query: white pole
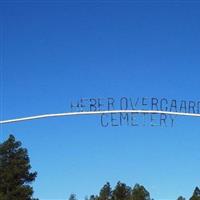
[97,112]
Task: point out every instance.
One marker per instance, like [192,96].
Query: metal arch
[96,113]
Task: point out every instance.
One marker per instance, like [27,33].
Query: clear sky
[56,52]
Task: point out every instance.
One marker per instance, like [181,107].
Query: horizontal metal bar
[96,113]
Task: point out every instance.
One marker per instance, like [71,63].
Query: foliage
[72,197]
[123,192]
[196,194]
[93,197]
[15,175]
[140,193]
[181,198]
[105,192]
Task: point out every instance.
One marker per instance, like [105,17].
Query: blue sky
[56,52]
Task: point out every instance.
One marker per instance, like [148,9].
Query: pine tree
[140,193]
[122,192]
[196,194]
[181,198]
[72,197]
[93,197]
[105,192]
[15,175]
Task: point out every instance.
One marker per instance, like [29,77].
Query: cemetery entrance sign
[160,118]
[127,111]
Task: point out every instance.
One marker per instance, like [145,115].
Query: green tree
[181,198]
[72,197]
[196,194]
[93,197]
[105,192]
[140,193]
[15,175]
[121,192]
